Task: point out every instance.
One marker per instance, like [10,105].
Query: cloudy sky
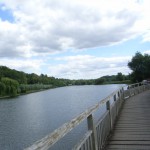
[73,39]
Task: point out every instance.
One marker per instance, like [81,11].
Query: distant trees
[82,82]
[32,78]
[24,88]
[13,82]
[140,66]
[24,78]
[100,81]
[13,74]
[119,78]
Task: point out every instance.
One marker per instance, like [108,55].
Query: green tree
[11,86]
[33,78]
[13,74]
[100,81]
[120,77]
[140,65]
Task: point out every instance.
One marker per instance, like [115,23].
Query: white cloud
[26,65]
[48,26]
[147,52]
[87,66]
[45,27]
[71,67]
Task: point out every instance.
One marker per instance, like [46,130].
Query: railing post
[91,126]
[119,101]
[135,89]
[118,95]
[122,93]
[129,91]
[122,97]
[115,100]
[108,108]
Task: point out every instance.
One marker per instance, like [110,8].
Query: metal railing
[97,134]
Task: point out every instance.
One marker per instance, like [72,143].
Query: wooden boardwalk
[132,129]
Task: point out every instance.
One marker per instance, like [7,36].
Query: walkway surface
[132,129]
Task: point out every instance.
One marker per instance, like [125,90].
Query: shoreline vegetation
[34,91]
[29,92]
[14,83]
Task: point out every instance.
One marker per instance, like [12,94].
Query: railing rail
[97,133]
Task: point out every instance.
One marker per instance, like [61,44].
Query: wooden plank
[132,130]
[133,137]
[132,133]
[135,132]
[129,142]
[128,147]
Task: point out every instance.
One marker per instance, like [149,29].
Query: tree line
[13,82]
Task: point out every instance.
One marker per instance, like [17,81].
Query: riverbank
[118,82]
[27,92]
[3,97]
[53,87]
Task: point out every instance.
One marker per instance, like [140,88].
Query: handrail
[49,140]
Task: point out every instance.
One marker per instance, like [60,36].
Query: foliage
[8,87]
[120,77]
[24,88]
[24,78]
[100,81]
[114,79]
[140,65]
[13,82]
[13,74]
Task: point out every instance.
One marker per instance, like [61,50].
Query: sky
[73,39]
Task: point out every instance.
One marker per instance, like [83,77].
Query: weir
[98,134]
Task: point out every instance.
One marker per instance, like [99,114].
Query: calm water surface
[28,118]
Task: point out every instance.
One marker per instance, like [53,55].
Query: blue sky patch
[5,14]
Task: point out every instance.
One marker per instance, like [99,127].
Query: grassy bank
[118,82]
[24,92]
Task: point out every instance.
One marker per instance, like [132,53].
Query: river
[28,118]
